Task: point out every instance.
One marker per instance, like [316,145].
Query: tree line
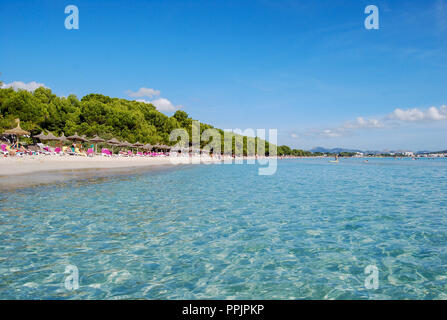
[97,114]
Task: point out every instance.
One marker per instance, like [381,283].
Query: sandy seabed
[19,172]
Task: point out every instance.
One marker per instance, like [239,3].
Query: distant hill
[333,150]
[340,150]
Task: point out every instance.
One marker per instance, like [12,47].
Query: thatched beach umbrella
[96,140]
[137,145]
[62,138]
[157,146]
[17,131]
[163,147]
[51,137]
[147,146]
[41,136]
[75,137]
[113,142]
[125,144]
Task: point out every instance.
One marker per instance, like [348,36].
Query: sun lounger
[68,151]
[79,153]
[106,152]
[3,150]
[43,149]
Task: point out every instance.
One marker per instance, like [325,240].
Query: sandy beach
[11,166]
[31,164]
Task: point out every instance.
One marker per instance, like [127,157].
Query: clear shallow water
[222,231]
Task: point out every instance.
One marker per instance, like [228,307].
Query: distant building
[409,154]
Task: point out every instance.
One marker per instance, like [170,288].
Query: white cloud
[347,127]
[294,136]
[19,85]
[143,92]
[413,115]
[332,133]
[363,123]
[398,116]
[162,105]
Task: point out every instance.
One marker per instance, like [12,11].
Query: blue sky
[308,68]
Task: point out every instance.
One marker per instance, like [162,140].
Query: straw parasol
[147,146]
[162,147]
[51,137]
[75,137]
[17,131]
[96,140]
[40,136]
[125,144]
[137,145]
[113,142]
[62,138]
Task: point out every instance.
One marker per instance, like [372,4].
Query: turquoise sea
[224,232]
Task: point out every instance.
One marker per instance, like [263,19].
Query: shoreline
[30,171]
[26,165]
[13,166]
[18,173]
